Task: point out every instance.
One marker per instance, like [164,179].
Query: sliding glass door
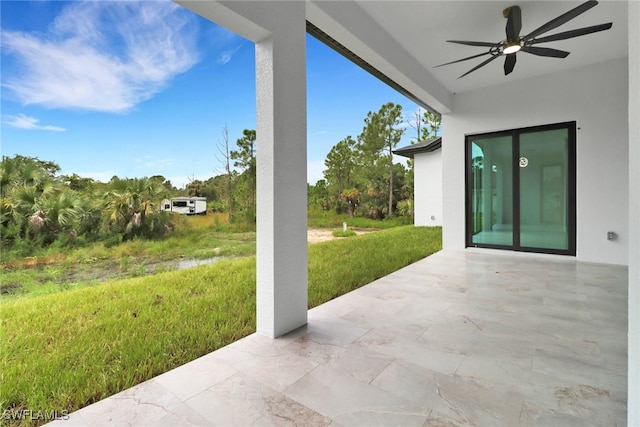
[521,189]
[491,190]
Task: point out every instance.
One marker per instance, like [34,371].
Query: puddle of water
[194,262]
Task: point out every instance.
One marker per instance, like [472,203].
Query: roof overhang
[421,147]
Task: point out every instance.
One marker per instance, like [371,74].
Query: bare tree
[224,157]
[416,123]
[426,124]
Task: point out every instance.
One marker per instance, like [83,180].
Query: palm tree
[134,203]
[62,209]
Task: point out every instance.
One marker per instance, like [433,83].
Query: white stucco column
[633,418]
[278,29]
[282,173]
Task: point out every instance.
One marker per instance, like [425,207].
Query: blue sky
[145,88]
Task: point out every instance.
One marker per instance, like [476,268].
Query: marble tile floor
[461,338]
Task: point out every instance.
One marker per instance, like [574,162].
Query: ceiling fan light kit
[515,43]
[512,48]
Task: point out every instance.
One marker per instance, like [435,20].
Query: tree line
[361,177]
[41,207]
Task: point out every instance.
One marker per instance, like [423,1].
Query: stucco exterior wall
[633,418]
[596,97]
[428,185]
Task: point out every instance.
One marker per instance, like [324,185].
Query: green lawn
[69,349]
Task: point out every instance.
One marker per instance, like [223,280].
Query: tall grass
[191,234]
[67,350]
[195,237]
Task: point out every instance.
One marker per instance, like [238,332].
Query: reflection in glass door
[521,189]
[492,194]
[543,189]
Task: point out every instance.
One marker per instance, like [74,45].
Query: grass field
[66,350]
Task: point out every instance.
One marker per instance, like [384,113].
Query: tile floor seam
[381,371]
[171,392]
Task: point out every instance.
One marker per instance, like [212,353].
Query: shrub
[340,233]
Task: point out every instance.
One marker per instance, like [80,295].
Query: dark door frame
[571,190]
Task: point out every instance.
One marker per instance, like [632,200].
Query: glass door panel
[491,191]
[543,170]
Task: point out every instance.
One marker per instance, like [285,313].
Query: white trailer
[186,205]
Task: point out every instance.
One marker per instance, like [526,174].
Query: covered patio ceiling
[405,40]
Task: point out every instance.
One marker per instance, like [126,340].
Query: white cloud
[102,55]
[226,54]
[226,43]
[30,123]
[160,163]
[152,162]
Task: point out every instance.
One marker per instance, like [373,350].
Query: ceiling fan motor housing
[515,43]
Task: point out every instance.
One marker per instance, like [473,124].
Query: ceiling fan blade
[464,59]
[472,43]
[545,51]
[479,65]
[509,63]
[566,17]
[573,33]
[514,24]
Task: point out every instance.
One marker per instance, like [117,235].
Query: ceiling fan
[515,43]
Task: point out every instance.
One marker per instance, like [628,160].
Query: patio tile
[242,401]
[411,326]
[338,307]
[478,402]
[452,399]
[268,364]
[332,330]
[146,404]
[352,402]
[202,373]
[574,370]
[358,363]
[401,348]
[575,406]
[312,346]
[410,382]
[494,367]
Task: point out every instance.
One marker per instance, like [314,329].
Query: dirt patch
[317,235]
